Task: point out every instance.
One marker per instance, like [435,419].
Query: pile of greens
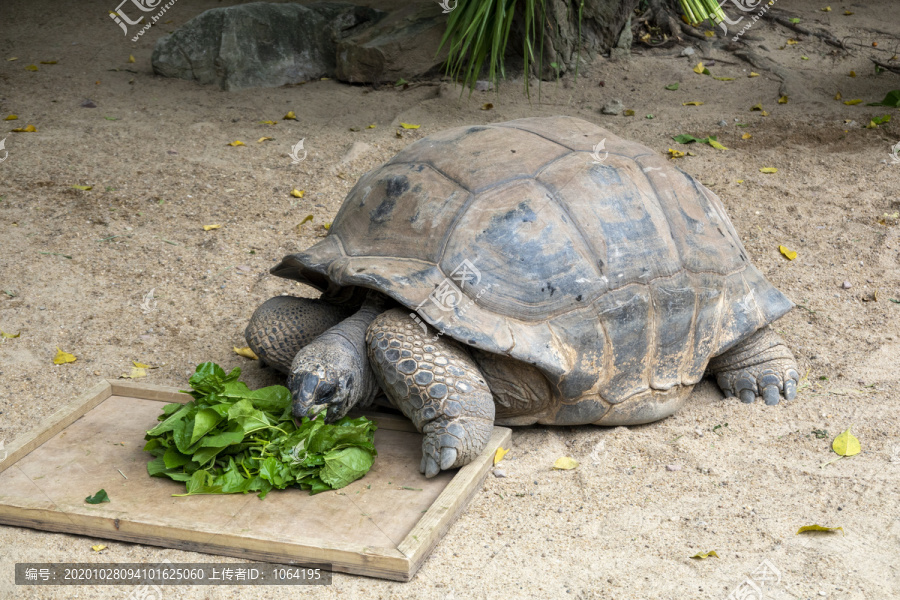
[231,439]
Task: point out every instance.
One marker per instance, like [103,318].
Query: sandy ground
[76,265]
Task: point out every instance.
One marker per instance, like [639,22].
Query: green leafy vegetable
[892,99]
[672,86]
[97,498]
[231,439]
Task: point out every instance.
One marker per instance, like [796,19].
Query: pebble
[614,107]
[723,123]
[499,473]
[88,104]
[483,86]
[846,285]
[673,467]
[688,51]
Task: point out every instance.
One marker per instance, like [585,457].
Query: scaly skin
[761,365]
[437,385]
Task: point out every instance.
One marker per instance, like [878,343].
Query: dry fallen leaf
[783,100]
[724,78]
[716,144]
[290,116]
[628,113]
[846,444]
[692,103]
[263,139]
[500,453]
[11,118]
[62,358]
[372,126]
[847,13]
[752,74]
[268,123]
[9,336]
[31,68]
[236,143]
[211,227]
[788,254]
[705,555]
[487,106]
[708,33]
[791,42]
[98,547]
[838,96]
[26,129]
[306,219]
[852,102]
[852,74]
[746,136]
[700,69]
[675,153]
[83,188]
[409,126]
[768,170]
[806,528]
[131,58]
[826,9]
[246,352]
[740,181]
[564,463]
[136,373]
[297,193]
[327,226]
[756,107]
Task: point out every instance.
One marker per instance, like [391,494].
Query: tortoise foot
[436,384]
[761,365]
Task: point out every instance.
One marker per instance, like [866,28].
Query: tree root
[886,67]
[766,63]
[822,34]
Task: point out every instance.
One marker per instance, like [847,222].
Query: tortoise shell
[614,273]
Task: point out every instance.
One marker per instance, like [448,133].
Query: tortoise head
[322,380]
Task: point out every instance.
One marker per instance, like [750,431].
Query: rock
[357,150]
[614,107]
[499,473]
[402,45]
[486,86]
[723,123]
[673,467]
[689,51]
[259,44]
[623,46]
[88,103]
[846,285]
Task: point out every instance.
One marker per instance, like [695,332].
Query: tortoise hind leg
[282,325]
[436,384]
[761,365]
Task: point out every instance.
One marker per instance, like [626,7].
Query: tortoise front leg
[437,385]
[282,325]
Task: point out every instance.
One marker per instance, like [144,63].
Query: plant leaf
[846,444]
[211,227]
[290,116]
[807,528]
[409,126]
[789,254]
[97,498]
[297,193]
[499,454]
[768,170]
[62,358]
[236,143]
[852,102]
[705,555]
[565,463]
[672,86]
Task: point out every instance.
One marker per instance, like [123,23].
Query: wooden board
[372,527]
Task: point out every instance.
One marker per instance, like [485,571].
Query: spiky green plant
[698,11]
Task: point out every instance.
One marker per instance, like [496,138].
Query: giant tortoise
[541,270]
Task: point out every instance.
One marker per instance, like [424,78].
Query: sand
[76,266]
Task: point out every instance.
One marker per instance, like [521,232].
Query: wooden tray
[372,527]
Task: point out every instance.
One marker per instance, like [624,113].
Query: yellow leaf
[268,123]
[764,113]
[852,73]
[62,358]
[756,107]
[724,78]
[692,103]
[628,113]
[826,9]
[499,454]
[211,227]
[487,106]
[564,463]
[327,226]
[675,153]
[136,373]
[246,352]
[49,62]
[717,145]
[372,126]
[290,116]
[804,58]
[297,193]
[26,129]
[746,136]
[847,13]
[83,188]
[709,33]
[872,125]
[791,42]
[806,528]
[852,102]
[789,254]
[131,58]
[838,96]
[699,68]
[846,444]
[237,143]
[783,100]
[9,336]
[11,118]
[409,126]
[263,139]
[704,555]
[740,181]
[142,365]
[13,58]
[31,68]
[98,547]
[306,219]
[752,74]
[768,170]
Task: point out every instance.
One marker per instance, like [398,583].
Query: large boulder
[401,46]
[260,44]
